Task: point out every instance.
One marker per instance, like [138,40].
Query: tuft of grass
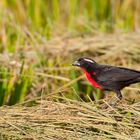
[14,86]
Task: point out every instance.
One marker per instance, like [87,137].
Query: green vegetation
[26,28]
[39,40]
[55,17]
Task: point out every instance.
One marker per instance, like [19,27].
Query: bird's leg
[119,95]
[112,102]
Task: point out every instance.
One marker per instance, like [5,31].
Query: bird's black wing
[117,74]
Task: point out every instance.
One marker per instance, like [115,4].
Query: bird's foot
[119,95]
[111,103]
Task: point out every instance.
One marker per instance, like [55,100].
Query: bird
[106,77]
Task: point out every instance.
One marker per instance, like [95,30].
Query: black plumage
[108,77]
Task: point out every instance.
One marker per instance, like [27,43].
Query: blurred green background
[55,17]
[29,68]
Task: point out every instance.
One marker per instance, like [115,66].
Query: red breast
[92,81]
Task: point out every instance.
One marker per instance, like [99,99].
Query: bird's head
[84,63]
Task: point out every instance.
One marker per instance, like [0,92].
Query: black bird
[107,77]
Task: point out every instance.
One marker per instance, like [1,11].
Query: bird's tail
[133,81]
[139,79]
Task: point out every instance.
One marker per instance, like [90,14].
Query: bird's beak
[76,63]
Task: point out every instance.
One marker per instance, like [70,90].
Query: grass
[71,120]
[51,18]
[50,99]
[35,33]
[26,79]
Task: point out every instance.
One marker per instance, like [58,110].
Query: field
[71,120]
[42,96]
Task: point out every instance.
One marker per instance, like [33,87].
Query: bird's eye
[80,59]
